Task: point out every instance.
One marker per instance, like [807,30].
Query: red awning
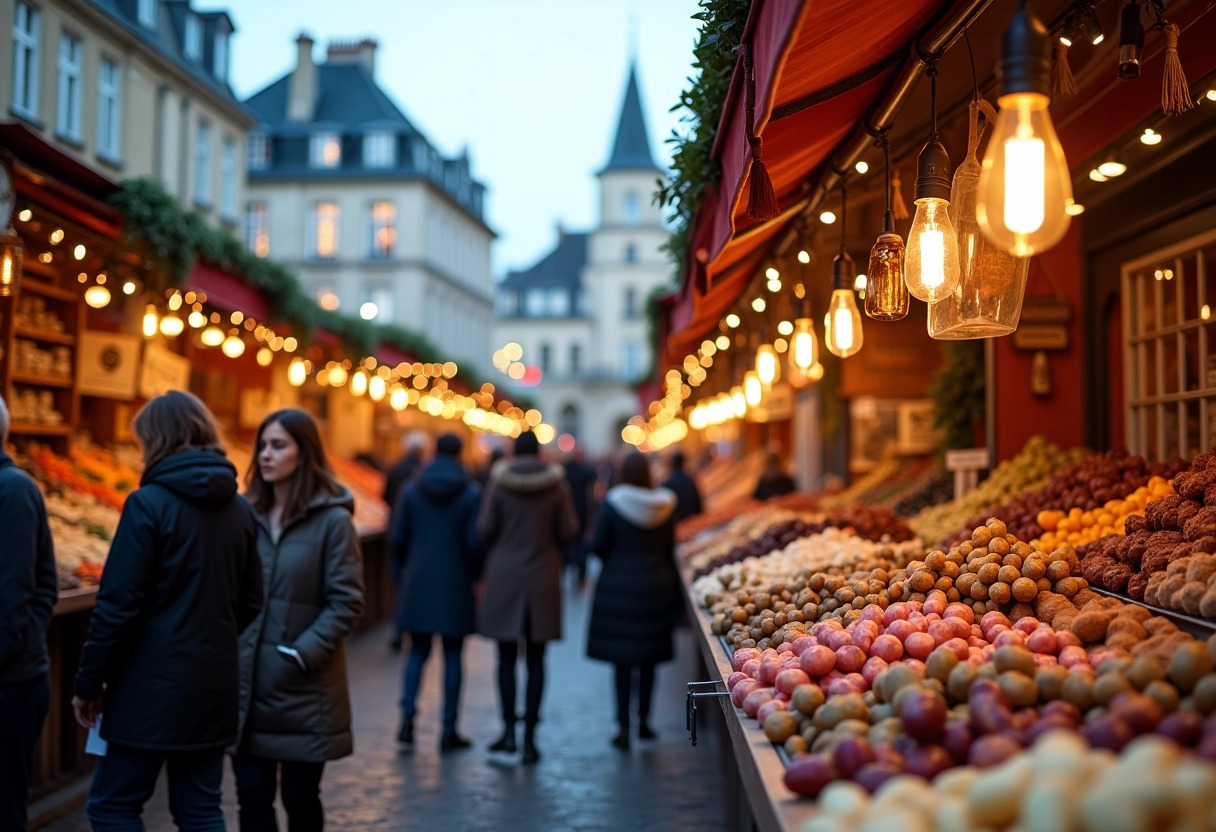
[800,50]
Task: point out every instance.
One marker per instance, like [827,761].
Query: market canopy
[819,66]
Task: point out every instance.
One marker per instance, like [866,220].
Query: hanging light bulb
[196,319]
[358,383]
[768,368]
[738,401]
[886,289]
[212,336]
[753,390]
[1024,180]
[233,346]
[172,326]
[97,296]
[150,321]
[399,398]
[297,372]
[265,357]
[376,388]
[931,264]
[803,353]
[842,326]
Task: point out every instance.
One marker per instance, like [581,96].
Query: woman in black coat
[436,558]
[182,581]
[637,596]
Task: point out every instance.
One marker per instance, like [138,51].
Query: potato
[1188,665]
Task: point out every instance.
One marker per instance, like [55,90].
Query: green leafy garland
[958,392]
[694,171]
[170,239]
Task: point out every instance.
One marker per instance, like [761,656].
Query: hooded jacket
[28,583]
[637,597]
[526,520]
[436,551]
[314,595]
[181,582]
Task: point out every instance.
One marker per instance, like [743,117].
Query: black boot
[506,743]
[621,740]
[531,754]
[406,735]
[645,732]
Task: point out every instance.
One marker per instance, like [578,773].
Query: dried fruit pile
[1078,527]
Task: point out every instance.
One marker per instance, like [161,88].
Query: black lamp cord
[932,73]
[883,141]
[975,84]
[844,213]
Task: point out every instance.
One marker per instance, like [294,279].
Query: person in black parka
[161,665]
[436,556]
[637,600]
[688,496]
[774,481]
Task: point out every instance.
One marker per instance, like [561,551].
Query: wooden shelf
[47,290]
[19,429]
[41,381]
[48,337]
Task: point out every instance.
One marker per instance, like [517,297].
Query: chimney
[361,51]
[302,86]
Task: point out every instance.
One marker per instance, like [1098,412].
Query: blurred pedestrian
[398,477]
[482,474]
[637,596]
[526,519]
[679,482]
[28,591]
[295,704]
[437,555]
[774,481]
[580,479]
[161,664]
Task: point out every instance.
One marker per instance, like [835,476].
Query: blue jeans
[420,651]
[125,779]
[23,708]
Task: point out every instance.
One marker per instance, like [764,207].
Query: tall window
[202,164]
[71,54]
[536,303]
[25,60]
[257,230]
[220,58]
[257,151]
[325,150]
[147,13]
[569,420]
[631,206]
[193,46]
[109,109]
[559,302]
[631,303]
[507,304]
[228,179]
[379,150]
[323,232]
[576,362]
[381,230]
[631,253]
[546,357]
[631,360]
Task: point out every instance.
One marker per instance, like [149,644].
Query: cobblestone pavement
[581,783]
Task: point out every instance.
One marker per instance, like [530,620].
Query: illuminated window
[325,150]
[379,150]
[25,60]
[258,152]
[71,57]
[257,232]
[381,230]
[324,231]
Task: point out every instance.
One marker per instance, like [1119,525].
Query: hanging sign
[1044,325]
[107,364]
[163,371]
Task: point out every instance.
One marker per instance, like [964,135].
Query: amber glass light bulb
[753,390]
[803,352]
[887,296]
[768,367]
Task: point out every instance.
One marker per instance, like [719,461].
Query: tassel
[899,208]
[1175,92]
[761,200]
[1062,82]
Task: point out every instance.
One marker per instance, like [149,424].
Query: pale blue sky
[533,87]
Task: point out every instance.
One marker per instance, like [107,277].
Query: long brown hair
[313,471]
[173,422]
[635,470]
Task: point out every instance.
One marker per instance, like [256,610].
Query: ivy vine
[958,392]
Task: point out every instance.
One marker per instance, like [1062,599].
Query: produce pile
[1089,484]
[1031,469]
[869,522]
[701,523]
[882,473]
[1077,527]
[937,489]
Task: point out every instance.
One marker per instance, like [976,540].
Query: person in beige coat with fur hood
[526,520]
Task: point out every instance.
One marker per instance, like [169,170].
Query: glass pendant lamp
[768,366]
[932,262]
[1024,185]
[803,354]
[842,327]
[887,295]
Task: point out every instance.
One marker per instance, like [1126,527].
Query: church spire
[631,148]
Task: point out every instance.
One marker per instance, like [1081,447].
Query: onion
[928,761]
[817,660]
[1046,725]
[1108,731]
[1062,708]
[851,754]
[957,739]
[923,714]
[1141,712]
[808,775]
[992,750]
[791,678]
[1183,727]
[872,777]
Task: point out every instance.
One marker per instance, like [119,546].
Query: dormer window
[220,58]
[193,46]
[147,13]
[380,150]
[325,150]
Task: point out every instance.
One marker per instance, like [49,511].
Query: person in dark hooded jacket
[436,556]
[161,663]
[295,703]
[637,596]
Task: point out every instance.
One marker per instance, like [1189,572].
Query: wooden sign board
[1044,325]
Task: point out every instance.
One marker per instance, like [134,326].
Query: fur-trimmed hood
[646,508]
[527,475]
